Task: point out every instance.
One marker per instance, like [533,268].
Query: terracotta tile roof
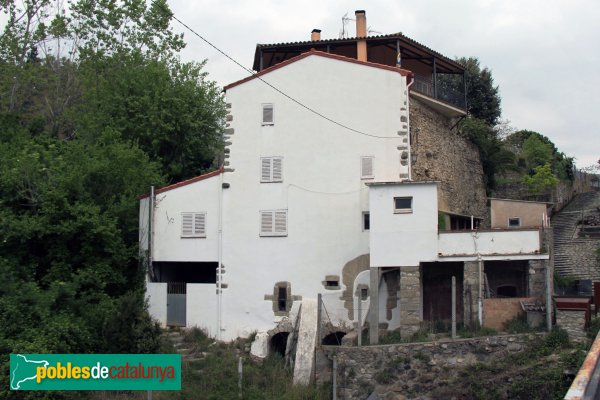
[186,182]
[401,71]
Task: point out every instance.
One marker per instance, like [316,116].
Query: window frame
[194,234]
[272,178]
[367,221]
[514,218]
[403,210]
[273,232]
[262,117]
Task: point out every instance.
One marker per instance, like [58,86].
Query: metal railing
[586,383]
[442,89]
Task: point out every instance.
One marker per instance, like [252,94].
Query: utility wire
[252,73]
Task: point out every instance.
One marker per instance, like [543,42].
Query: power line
[252,73]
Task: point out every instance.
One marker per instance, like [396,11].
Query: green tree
[541,181]
[483,98]
[536,152]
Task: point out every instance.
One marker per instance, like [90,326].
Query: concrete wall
[443,155]
[393,233]
[322,189]
[489,243]
[156,295]
[202,196]
[201,307]
[531,214]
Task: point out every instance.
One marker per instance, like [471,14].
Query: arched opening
[333,339]
[278,343]
[506,291]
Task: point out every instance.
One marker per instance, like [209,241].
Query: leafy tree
[483,98]
[541,180]
[536,152]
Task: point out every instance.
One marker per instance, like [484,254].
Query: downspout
[220,260]
[151,201]
[412,80]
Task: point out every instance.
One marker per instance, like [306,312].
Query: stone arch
[349,274]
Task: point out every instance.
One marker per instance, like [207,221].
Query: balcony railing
[444,88]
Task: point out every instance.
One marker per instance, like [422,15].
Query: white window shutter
[265,170]
[366,167]
[187,223]
[199,224]
[280,222]
[277,166]
[266,222]
[267,117]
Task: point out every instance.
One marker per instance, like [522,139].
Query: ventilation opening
[333,339]
[278,343]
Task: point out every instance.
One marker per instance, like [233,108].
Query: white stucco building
[315,198]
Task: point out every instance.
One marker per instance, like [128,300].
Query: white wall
[201,307]
[403,239]
[321,189]
[489,243]
[156,295]
[201,196]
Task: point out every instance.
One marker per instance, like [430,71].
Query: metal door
[176,303]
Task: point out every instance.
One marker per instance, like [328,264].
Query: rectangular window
[514,222]
[267,114]
[402,205]
[366,168]
[366,221]
[282,298]
[193,224]
[271,169]
[273,223]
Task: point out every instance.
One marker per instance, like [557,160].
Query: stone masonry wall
[573,322]
[412,369]
[410,300]
[470,292]
[443,155]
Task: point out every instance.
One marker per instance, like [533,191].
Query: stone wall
[410,300]
[470,292]
[443,155]
[412,369]
[573,322]
[497,311]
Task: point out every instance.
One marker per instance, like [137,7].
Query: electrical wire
[255,74]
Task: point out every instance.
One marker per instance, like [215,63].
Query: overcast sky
[544,55]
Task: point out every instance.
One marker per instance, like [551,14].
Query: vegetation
[95,106]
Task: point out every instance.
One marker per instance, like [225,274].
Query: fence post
[240,372]
[359,324]
[334,378]
[319,313]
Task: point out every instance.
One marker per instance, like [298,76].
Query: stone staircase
[187,350]
[575,256]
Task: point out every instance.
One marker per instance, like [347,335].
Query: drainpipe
[412,80]
[479,298]
[151,201]
[220,260]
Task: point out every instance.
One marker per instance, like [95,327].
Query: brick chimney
[315,35]
[361,34]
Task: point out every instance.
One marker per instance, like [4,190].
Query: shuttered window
[366,167]
[271,169]
[267,114]
[193,224]
[273,223]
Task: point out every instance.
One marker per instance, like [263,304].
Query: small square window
[366,221]
[193,224]
[273,223]
[514,222]
[402,205]
[271,169]
[364,294]
[267,114]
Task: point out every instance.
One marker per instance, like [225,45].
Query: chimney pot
[315,35]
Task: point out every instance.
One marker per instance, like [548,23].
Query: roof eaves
[186,182]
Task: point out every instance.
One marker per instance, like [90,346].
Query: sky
[544,55]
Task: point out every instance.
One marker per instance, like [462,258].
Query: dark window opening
[366,221]
[334,284]
[514,222]
[402,204]
[333,339]
[188,272]
[278,343]
[364,293]
[507,291]
[282,299]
